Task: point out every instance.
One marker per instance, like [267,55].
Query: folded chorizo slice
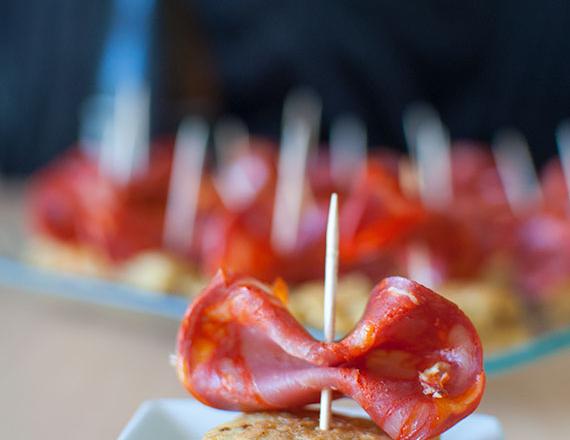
[413,361]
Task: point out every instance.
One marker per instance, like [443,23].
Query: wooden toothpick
[331,279]
[516,170]
[95,112]
[125,147]
[347,148]
[563,141]
[231,138]
[301,122]
[430,168]
[185,181]
[419,265]
[430,151]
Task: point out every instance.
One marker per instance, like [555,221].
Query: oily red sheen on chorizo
[413,362]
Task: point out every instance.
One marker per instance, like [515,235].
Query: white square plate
[187,419]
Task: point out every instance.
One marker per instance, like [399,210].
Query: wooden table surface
[75,371]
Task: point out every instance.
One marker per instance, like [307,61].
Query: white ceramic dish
[187,419]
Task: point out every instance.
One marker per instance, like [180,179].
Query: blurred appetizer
[543,251]
[543,267]
[498,262]
[461,250]
[86,222]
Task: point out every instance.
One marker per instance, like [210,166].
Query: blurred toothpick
[185,182]
[430,153]
[516,170]
[301,122]
[348,142]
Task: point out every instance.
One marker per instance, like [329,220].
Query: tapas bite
[413,361]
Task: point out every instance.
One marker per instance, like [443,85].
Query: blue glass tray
[20,275]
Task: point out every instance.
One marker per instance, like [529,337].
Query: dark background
[483,64]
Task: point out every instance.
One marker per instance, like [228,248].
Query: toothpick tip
[334,200]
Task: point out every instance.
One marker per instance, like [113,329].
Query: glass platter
[17,274]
